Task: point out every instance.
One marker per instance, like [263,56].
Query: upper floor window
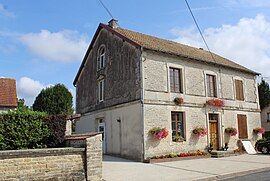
[175,80]
[101,58]
[178,126]
[268,117]
[211,85]
[101,90]
[239,90]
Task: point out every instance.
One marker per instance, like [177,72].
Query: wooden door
[242,126]
[213,128]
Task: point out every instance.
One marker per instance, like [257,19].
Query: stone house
[265,117]
[8,94]
[127,84]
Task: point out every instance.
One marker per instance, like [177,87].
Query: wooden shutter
[242,126]
[239,90]
[211,85]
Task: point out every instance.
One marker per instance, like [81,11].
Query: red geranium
[231,131]
[215,102]
[159,133]
[200,132]
[259,130]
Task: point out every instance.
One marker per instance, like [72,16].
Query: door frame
[102,124]
[219,128]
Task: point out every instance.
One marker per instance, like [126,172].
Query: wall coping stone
[39,152]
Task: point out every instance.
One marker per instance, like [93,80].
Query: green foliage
[22,106]
[22,130]
[266,134]
[54,100]
[264,94]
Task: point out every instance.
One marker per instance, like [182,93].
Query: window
[239,90]
[268,117]
[101,59]
[175,80]
[101,90]
[211,85]
[178,127]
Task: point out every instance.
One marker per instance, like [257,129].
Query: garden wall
[54,164]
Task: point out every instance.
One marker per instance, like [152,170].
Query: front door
[242,126]
[213,128]
[101,129]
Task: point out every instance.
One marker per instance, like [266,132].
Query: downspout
[142,103]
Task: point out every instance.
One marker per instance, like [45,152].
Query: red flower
[231,131]
[200,132]
[215,102]
[259,130]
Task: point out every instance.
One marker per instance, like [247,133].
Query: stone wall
[54,164]
[121,74]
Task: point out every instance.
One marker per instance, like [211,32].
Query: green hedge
[22,130]
[266,134]
[27,129]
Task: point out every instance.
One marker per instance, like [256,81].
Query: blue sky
[43,42]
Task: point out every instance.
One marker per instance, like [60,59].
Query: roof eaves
[203,61]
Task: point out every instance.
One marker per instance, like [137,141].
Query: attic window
[101,58]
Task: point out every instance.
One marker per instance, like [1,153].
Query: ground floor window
[178,126]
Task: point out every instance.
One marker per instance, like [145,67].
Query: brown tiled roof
[8,94]
[178,49]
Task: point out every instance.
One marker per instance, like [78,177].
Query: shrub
[22,130]
[27,129]
[57,126]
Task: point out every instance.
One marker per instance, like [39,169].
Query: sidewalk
[116,169]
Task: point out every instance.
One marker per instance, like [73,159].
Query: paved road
[261,176]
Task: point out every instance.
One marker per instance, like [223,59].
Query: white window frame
[101,92]
[101,58]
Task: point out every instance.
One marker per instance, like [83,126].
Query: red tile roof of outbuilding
[8,93]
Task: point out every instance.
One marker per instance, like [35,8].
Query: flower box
[178,100]
[231,131]
[215,103]
[158,133]
[200,132]
[259,130]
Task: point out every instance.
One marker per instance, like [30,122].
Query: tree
[22,106]
[264,94]
[54,100]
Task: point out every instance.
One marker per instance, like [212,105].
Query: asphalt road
[260,176]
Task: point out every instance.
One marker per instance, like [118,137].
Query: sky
[43,42]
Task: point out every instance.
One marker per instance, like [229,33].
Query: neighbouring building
[265,117]
[127,84]
[8,94]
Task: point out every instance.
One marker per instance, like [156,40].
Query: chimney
[113,23]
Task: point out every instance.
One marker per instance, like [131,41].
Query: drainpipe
[142,102]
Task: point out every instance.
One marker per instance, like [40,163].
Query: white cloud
[248,3]
[28,89]
[5,12]
[247,42]
[64,46]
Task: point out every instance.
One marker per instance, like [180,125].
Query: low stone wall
[54,164]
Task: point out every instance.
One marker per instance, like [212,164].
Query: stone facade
[54,164]
[138,98]
[121,75]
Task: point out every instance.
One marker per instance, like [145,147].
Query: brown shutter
[239,90]
[242,126]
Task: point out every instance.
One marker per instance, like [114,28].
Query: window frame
[100,90]
[180,79]
[101,56]
[268,117]
[182,114]
[208,94]
[238,95]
